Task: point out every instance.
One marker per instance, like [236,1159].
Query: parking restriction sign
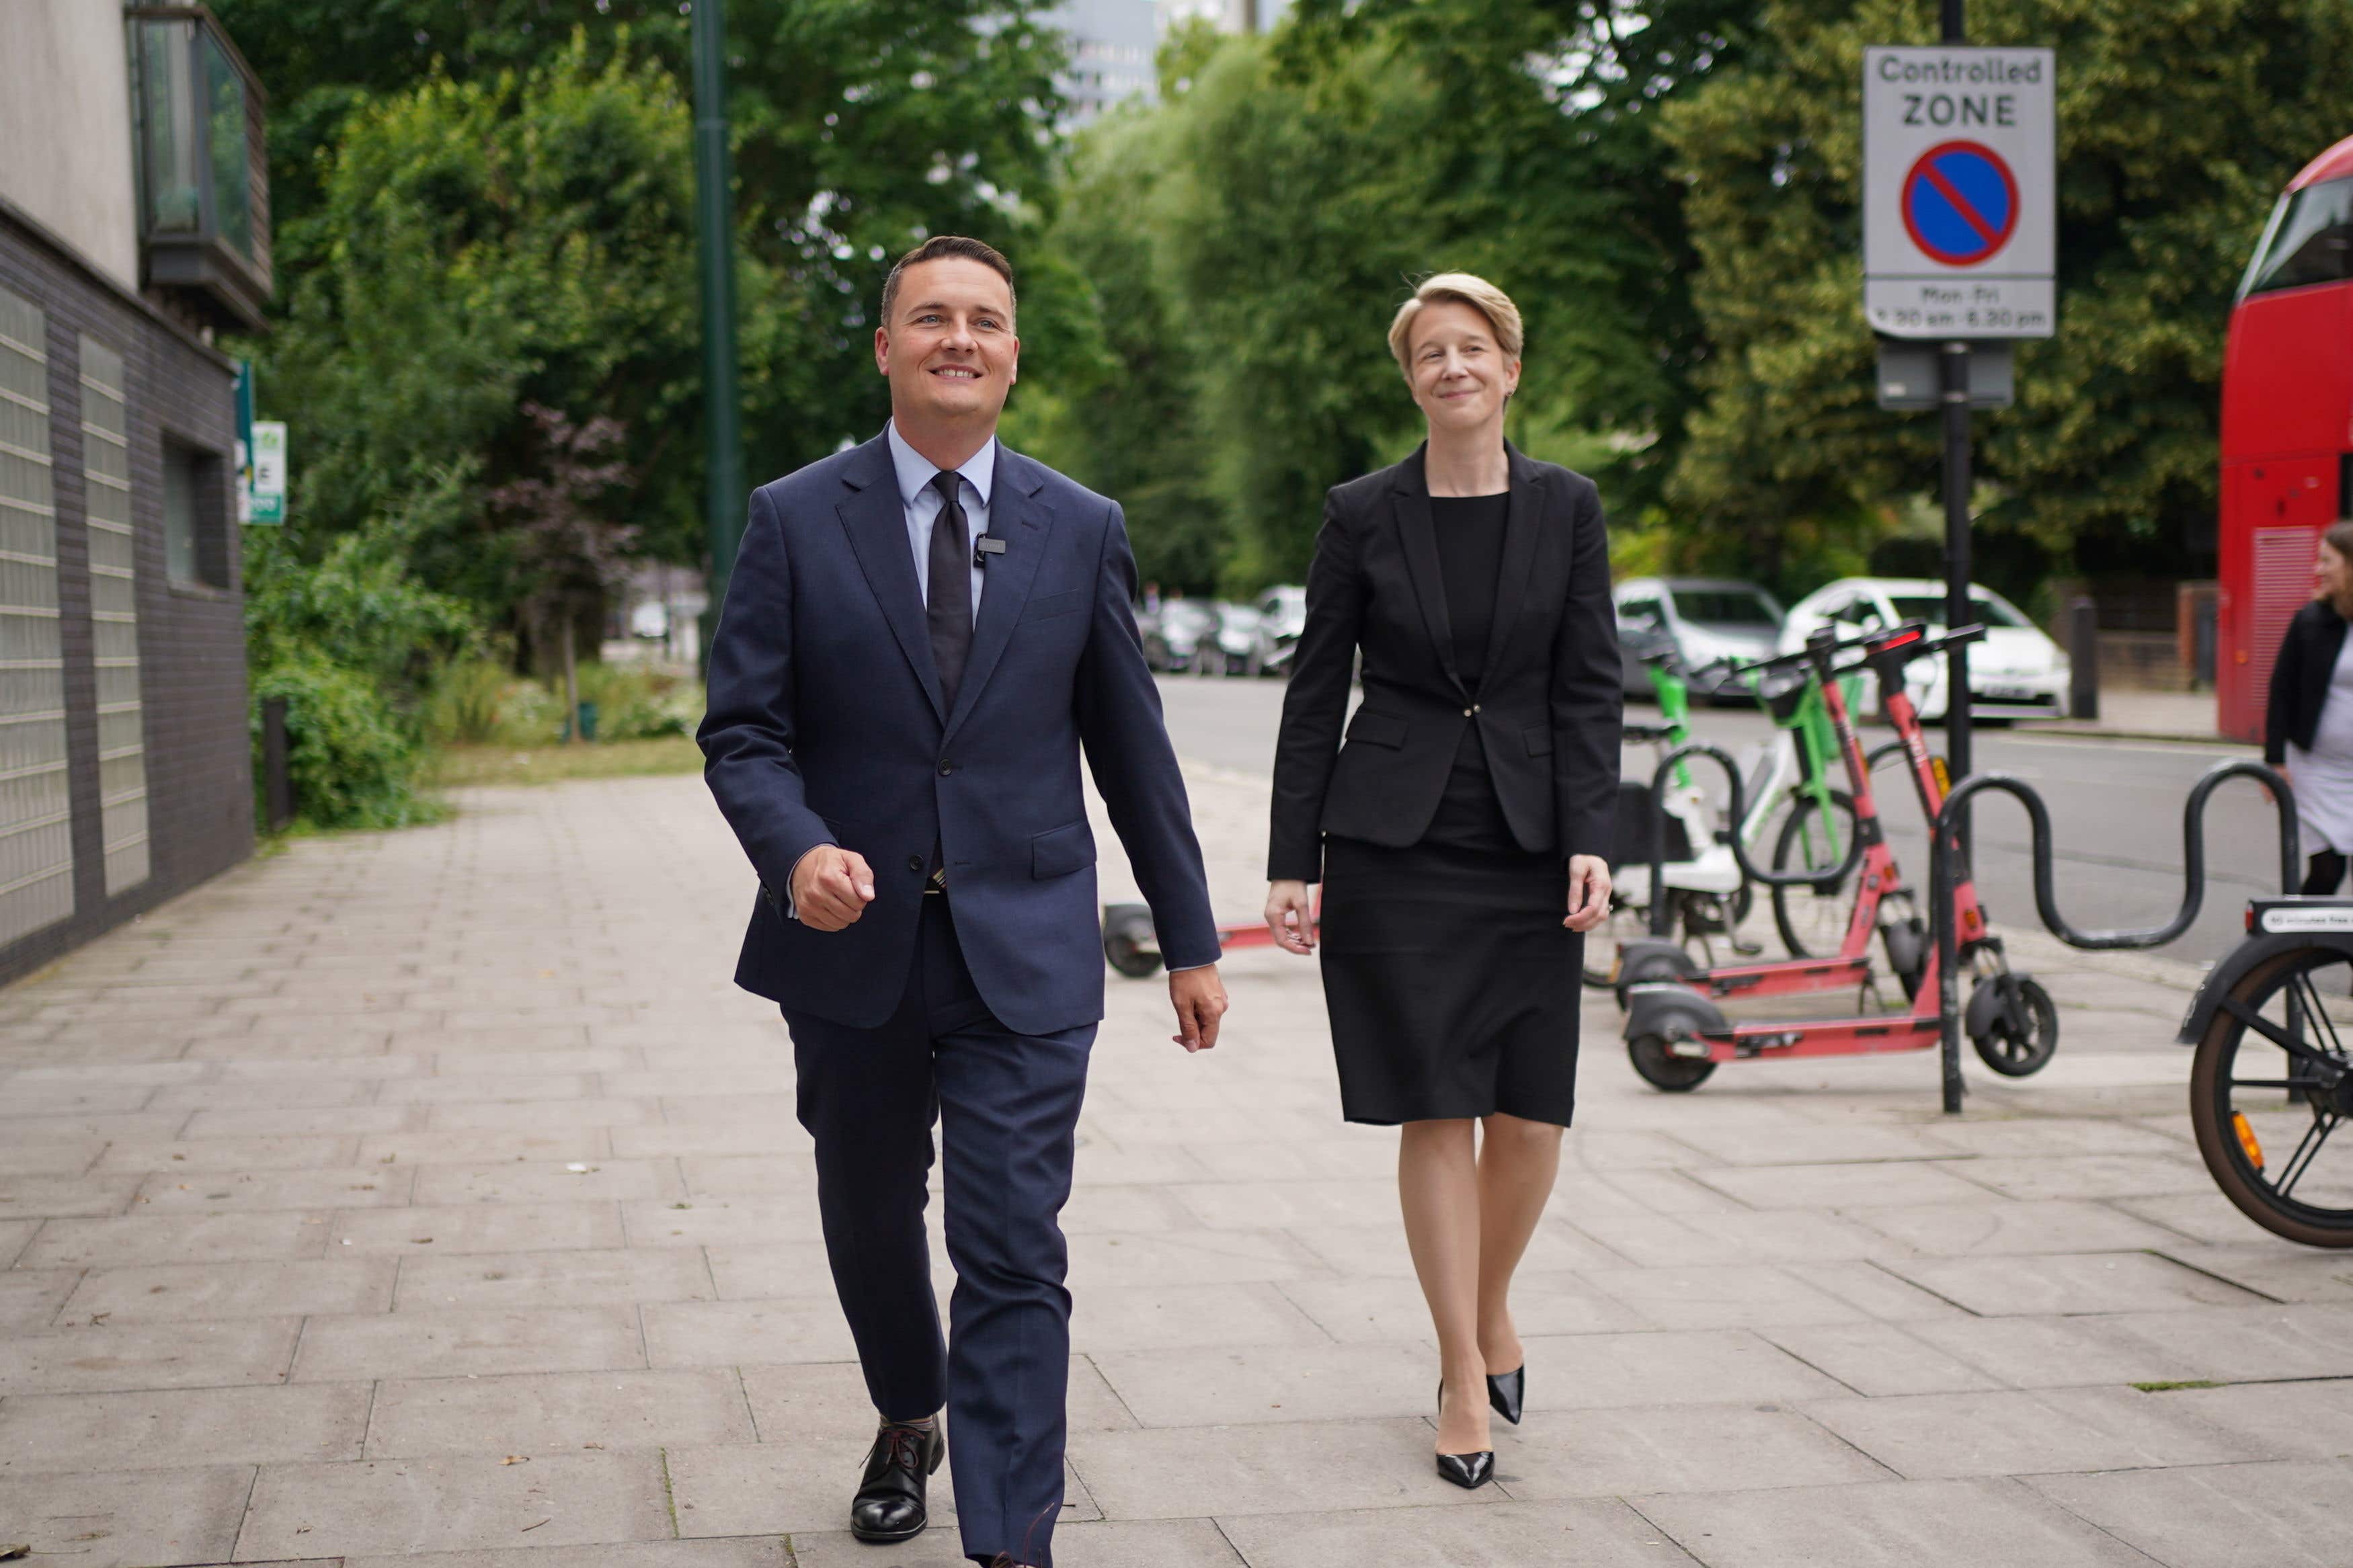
[1959,230]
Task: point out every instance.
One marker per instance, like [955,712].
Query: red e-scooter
[1677,1037]
[1883,904]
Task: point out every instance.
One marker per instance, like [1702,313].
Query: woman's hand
[1288,917]
[1588,891]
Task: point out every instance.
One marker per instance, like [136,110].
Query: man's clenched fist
[831,887]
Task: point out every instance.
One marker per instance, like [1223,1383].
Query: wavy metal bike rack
[1947,857]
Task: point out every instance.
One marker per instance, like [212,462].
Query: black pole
[1955,383]
[714,224]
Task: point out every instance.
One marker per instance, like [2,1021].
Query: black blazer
[1548,707]
[2307,659]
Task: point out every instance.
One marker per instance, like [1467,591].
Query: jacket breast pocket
[1058,851]
[1371,729]
[1539,740]
[1046,606]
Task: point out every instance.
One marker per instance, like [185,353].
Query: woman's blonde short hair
[1462,289]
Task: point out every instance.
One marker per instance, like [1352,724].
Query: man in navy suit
[921,636]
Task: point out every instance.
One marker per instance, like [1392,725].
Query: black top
[1470,559]
[2307,662]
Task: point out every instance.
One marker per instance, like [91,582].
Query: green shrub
[467,702]
[352,759]
[635,703]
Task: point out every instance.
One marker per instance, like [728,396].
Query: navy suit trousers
[1007,1106]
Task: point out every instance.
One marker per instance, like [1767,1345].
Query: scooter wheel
[2011,1049]
[1128,942]
[1662,1069]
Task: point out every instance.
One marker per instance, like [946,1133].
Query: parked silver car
[1173,634]
[1281,613]
[1225,649]
[1703,619]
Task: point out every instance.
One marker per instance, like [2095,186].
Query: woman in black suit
[1460,833]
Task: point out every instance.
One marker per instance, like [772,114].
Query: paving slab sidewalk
[430,1199]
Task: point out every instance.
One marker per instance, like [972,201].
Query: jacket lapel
[876,520]
[1523,521]
[1418,536]
[1017,517]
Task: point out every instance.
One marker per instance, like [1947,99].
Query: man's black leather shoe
[888,1506]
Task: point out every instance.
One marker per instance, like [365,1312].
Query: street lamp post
[714,224]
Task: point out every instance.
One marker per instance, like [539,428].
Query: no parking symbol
[1960,203]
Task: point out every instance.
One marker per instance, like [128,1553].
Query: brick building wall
[191,635]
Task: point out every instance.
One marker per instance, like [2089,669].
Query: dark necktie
[947,608]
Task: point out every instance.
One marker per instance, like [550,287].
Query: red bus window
[2309,241]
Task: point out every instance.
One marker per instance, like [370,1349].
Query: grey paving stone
[519,1280]
[480,1228]
[1360,1311]
[1871,1290]
[584,1059]
[1207,1387]
[301,1122]
[227,1093]
[29,1298]
[341,1187]
[1945,1435]
[49,1154]
[1841,1186]
[707,1138]
[177,1292]
[1697,1367]
[53,1196]
[482,1147]
[2043,1136]
[2279,1515]
[2091,1176]
[1594,1534]
[1738,1145]
[260,1153]
[538,1115]
[1741,1296]
[2055,1352]
[403,1506]
[150,1239]
[1279,1206]
[746,1333]
[1964,1230]
[90,1358]
[1893,1524]
[454,1343]
[1105,1543]
[550,1181]
[1186,1316]
[2280,1269]
[824,1404]
[723,1222]
[2067,1283]
[511,1083]
[2301,1420]
[167,1429]
[2244,1345]
[1750,1235]
[746,1176]
[1117,1209]
[545,1414]
[773,1552]
[1379,1250]
[1099,1261]
[1670,1449]
[1188,1472]
[104,1519]
[23,1100]
[1879,1358]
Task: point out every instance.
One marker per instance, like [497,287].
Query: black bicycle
[2271,1083]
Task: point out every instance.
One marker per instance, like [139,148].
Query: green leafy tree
[2179,122]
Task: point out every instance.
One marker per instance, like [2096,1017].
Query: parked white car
[2016,672]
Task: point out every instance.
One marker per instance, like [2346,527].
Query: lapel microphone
[985,546]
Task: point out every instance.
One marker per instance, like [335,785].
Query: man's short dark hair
[936,247]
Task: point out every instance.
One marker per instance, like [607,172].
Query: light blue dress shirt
[923,502]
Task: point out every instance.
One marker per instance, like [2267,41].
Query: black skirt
[1453,987]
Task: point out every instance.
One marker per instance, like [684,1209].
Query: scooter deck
[1780,977]
[1831,1038]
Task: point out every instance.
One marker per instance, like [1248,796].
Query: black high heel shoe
[1505,1392]
[1469,1471]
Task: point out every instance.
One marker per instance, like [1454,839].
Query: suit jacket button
[914,863]
[1467,711]
[946,767]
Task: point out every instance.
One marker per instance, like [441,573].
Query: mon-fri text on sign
[1959,230]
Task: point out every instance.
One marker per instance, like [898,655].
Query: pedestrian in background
[2308,727]
[1460,833]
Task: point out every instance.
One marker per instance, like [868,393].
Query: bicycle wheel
[2273,1081]
[1812,918]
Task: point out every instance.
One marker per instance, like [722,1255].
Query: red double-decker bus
[2287,428]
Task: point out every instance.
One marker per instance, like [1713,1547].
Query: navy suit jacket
[825,724]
